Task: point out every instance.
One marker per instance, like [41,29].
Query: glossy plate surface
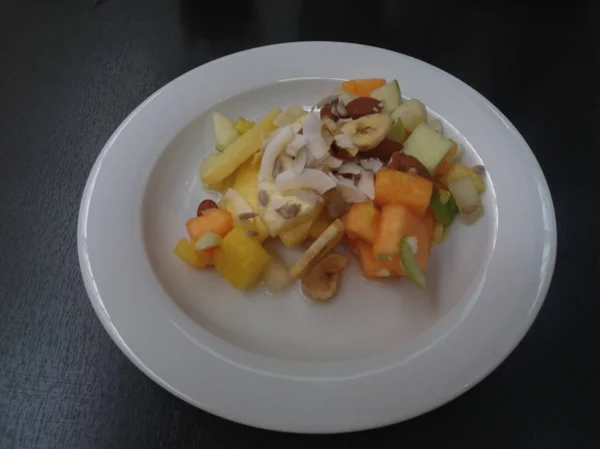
[380,352]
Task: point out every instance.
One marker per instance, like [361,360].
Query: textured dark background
[71,71]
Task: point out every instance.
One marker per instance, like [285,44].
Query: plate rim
[97,302]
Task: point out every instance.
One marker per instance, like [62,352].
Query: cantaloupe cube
[396,222]
[361,221]
[375,268]
[396,187]
[216,220]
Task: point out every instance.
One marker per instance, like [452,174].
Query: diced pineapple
[246,183]
[243,125]
[241,259]
[186,251]
[241,150]
[295,236]
[207,163]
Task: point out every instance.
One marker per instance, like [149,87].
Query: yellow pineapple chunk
[186,251]
[243,125]
[241,259]
[242,149]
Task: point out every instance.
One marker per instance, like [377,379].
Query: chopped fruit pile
[362,168]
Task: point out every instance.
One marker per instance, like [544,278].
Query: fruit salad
[362,169]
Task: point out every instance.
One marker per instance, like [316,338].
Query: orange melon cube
[361,221]
[362,87]
[429,222]
[396,222]
[374,268]
[216,220]
[396,187]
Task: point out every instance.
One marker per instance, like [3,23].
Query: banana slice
[319,248]
[322,281]
[368,131]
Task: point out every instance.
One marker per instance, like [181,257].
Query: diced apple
[412,113]
[398,132]
[428,146]
[389,95]
[224,130]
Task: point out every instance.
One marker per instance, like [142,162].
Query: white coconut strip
[296,145]
[312,131]
[349,168]
[333,162]
[367,184]
[309,179]
[287,163]
[299,163]
[372,164]
[350,193]
[281,138]
[344,141]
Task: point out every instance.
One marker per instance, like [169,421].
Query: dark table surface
[71,71]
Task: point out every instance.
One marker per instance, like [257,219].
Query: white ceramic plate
[380,352]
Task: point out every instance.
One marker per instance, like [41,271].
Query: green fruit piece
[208,241]
[467,200]
[428,146]
[397,133]
[409,261]
[224,130]
[444,207]
[389,94]
[412,113]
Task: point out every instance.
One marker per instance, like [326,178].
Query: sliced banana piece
[321,283]
[319,248]
[368,131]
